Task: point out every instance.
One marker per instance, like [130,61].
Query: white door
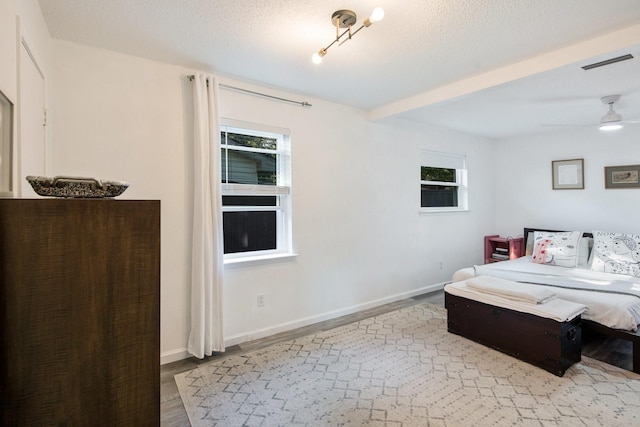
[32,121]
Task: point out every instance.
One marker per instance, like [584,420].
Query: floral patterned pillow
[556,248]
[616,253]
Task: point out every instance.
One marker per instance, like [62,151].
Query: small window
[442,181]
[255,165]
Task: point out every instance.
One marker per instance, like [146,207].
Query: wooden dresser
[79,312]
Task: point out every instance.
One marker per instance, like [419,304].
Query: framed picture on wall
[622,176]
[568,174]
[6,134]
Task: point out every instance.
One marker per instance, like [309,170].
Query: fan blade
[577,125]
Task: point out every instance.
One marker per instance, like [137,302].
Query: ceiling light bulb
[377,14]
[317,57]
[610,126]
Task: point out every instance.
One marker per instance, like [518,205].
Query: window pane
[438,196]
[246,167]
[250,141]
[437,174]
[249,200]
[249,231]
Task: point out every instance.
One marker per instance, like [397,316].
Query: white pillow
[616,253]
[556,248]
[584,248]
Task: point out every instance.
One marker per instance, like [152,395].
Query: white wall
[355,192]
[524,194]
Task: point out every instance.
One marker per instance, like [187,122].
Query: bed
[609,286]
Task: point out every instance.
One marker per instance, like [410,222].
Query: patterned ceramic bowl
[76,187]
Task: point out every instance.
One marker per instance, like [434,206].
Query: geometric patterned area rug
[402,369]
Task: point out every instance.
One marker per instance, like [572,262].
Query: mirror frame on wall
[6,146]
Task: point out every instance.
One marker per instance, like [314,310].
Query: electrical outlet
[441,265]
[260,300]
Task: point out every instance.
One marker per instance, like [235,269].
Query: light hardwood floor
[172,413]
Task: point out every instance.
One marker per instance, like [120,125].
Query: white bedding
[523,292]
[556,309]
[614,310]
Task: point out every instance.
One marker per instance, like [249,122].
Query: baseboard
[179,354]
[174,356]
[284,327]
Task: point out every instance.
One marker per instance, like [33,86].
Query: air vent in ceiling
[607,62]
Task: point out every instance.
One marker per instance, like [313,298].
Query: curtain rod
[264,95]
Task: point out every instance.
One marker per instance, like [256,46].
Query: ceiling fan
[611,120]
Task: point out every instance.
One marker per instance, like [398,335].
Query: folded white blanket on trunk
[510,289]
[557,309]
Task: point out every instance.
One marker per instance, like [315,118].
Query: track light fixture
[346,19]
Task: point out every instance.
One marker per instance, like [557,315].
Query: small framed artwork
[568,174]
[622,176]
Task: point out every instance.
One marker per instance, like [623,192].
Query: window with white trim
[443,181]
[256,189]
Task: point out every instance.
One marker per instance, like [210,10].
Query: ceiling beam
[586,50]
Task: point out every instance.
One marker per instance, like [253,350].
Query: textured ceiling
[420,46]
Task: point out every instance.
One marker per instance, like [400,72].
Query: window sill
[441,210]
[258,260]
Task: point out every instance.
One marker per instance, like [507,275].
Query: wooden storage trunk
[546,343]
